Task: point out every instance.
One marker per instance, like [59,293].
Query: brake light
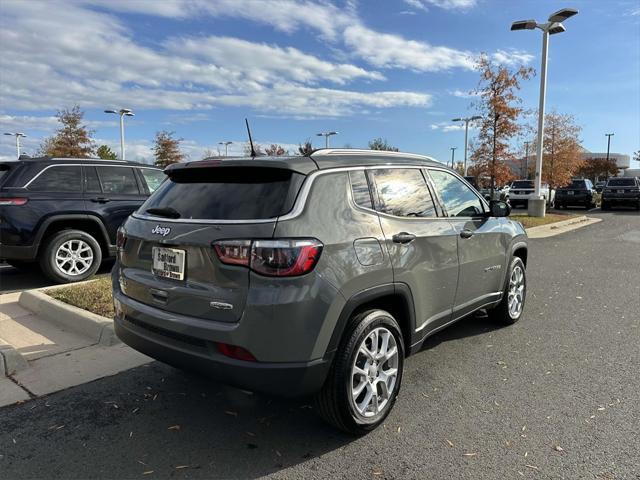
[13,201]
[232,351]
[274,258]
[121,238]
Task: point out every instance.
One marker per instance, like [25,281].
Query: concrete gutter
[96,327]
[11,361]
[552,229]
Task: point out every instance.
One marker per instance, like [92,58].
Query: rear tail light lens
[235,352]
[121,238]
[13,201]
[274,258]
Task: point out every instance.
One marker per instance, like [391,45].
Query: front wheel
[365,377]
[511,307]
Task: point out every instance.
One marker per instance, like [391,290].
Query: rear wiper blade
[167,212]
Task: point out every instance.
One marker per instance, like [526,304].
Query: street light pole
[466,135]
[226,145]
[123,112]
[326,136]
[526,160]
[453,154]
[608,135]
[552,26]
[17,135]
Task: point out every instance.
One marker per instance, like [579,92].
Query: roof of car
[96,161]
[317,160]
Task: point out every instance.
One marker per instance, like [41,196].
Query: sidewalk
[38,357]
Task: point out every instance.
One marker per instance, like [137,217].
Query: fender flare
[74,216]
[397,289]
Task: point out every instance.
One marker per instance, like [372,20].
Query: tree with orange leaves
[498,105]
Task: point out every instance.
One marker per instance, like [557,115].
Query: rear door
[113,192]
[482,242]
[191,210]
[422,247]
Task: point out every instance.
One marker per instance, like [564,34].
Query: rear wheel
[511,307]
[365,377]
[70,256]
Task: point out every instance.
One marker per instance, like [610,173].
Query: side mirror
[499,208]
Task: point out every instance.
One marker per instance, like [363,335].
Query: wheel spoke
[358,390]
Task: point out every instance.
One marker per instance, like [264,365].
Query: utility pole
[493,159]
[553,143]
[453,154]
[608,135]
[466,134]
[326,136]
[17,135]
[123,112]
[226,146]
[526,160]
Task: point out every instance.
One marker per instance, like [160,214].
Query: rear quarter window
[227,193]
[60,179]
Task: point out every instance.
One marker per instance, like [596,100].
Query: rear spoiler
[299,164]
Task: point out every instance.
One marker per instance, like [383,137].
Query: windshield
[621,182]
[225,193]
[522,184]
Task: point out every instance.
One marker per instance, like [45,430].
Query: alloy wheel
[74,257]
[516,292]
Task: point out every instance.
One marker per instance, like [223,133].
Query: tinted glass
[621,182]
[92,184]
[577,184]
[458,198]
[522,184]
[227,193]
[403,192]
[360,189]
[58,179]
[118,180]
[153,178]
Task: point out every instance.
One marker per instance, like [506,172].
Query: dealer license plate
[168,262]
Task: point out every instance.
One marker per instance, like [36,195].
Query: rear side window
[118,180]
[58,179]
[92,184]
[458,198]
[360,189]
[403,192]
[153,178]
[227,193]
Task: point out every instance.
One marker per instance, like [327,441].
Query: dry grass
[529,222]
[94,296]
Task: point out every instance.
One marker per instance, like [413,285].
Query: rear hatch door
[168,260]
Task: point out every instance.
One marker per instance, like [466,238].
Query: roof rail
[381,153]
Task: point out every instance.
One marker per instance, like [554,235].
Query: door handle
[100,200]
[403,237]
[466,233]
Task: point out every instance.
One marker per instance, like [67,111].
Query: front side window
[118,180]
[360,189]
[457,197]
[58,179]
[153,178]
[403,192]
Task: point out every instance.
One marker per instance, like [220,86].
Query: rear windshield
[522,184]
[576,184]
[226,193]
[622,182]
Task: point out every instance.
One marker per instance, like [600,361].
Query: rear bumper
[136,326]
[18,252]
[577,199]
[622,200]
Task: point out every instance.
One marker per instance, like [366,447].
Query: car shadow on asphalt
[14,280]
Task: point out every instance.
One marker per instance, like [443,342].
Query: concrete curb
[96,327]
[11,361]
[557,228]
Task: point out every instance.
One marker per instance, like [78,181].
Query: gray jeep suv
[313,274]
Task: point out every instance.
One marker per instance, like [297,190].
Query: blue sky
[399,69]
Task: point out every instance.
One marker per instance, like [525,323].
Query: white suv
[522,190]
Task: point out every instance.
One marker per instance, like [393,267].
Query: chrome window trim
[80,165]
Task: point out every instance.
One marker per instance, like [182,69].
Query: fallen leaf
[533,467]
[473,454]
[229,412]
[251,434]
[155,396]
[278,453]
[180,467]
[130,434]
[558,448]
[399,428]
[600,409]
[524,427]
[450,443]
[377,472]
[526,454]
[135,410]
[148,472]
[174,427]
[579,298]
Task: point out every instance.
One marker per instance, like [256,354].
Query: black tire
[334,402]
[501,313]
[47,256]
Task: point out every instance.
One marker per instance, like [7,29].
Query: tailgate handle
[159,295]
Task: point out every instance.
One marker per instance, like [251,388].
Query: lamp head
[523,25]
[562,15]
[556,28]
[110,111]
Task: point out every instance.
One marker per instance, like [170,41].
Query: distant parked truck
[63,213]
[580,192]
[621,191]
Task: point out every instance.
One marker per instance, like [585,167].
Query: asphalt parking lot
[555,396]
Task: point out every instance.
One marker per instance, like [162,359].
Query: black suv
[64,213]
[621,191]
[579,192]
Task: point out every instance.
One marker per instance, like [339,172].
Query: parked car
[63,214]
[579,192]
[313,274]
[621,191]
[521,191]
[500,193]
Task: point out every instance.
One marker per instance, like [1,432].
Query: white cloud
[19,123]
[463,93]
[445,4]
[512,57]
[447,127]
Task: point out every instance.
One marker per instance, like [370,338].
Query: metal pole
[453,154]
[543,89]
[466,133]
[122,135]
[526,160]
[608,135]
[553,143]
[18,144]
[326,141]
[226,149]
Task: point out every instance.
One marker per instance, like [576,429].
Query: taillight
[232,351]
[13,201]
[121,238]
[274,258]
